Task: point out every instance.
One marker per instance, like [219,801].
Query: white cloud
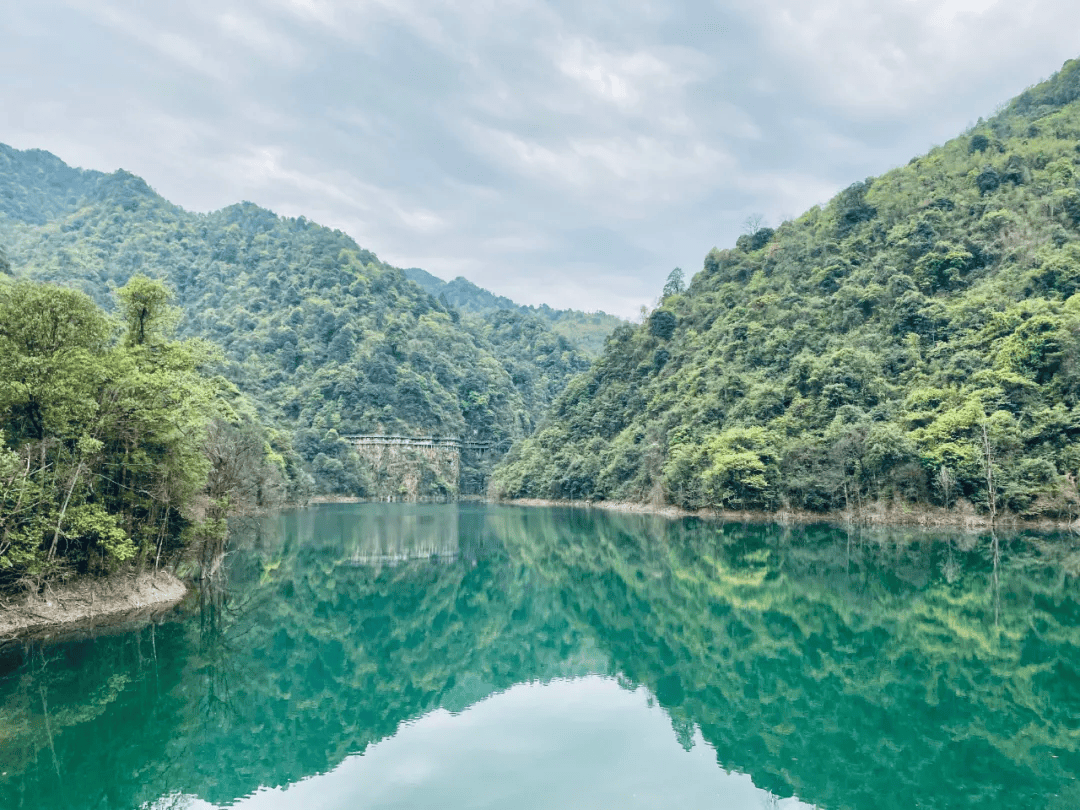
[629,80]
[181,49]
[611,171]
[550,150]
[783,192]
[323,12]
[891,58]
[260,37]
[421,221]
[515,243]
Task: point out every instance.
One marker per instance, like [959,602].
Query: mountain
[460,293]
[37,186]
[324,337]
[587,330]
[913,343]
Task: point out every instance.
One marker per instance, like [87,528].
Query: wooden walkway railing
[384,440]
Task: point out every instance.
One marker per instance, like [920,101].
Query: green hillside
[324,337]
[914,341]
[586,330]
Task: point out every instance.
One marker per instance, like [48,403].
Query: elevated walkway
[451,442]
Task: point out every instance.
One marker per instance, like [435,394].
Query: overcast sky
[570,153]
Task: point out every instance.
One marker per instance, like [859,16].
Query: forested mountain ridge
[914,341]
[324,337]
[588,330]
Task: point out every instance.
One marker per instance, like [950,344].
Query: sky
[569,153]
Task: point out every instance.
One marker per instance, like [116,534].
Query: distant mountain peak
[587,330]
[125,189]
[36,186]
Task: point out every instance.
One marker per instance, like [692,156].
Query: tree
[753,223]
[49,337]
[662,324]
[104,447]
[946,480]
[145,305]
[675,284]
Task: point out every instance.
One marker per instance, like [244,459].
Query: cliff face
[409,472]
[411,468]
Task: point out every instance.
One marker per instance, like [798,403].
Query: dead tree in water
[988,462]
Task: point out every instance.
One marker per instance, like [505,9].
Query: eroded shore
[875,514]
[87,600]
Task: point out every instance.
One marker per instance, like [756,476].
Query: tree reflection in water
[851,668]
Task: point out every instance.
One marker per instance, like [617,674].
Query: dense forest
[915,343]
[588,330]
[115,442]
[324,338]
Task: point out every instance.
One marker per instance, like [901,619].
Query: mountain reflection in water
[389,655]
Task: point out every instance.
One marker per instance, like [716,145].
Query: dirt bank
[875,514]
[88,601]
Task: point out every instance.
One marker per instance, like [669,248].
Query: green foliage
[104,445]
[872,341]
[48,340]
[324,339]
[38,186]
[736,468]
[662,324]
[538,361]
[144,306]
[586,331]
[675,284]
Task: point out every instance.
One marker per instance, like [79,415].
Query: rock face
[410,470]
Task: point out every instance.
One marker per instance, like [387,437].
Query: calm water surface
[462,656]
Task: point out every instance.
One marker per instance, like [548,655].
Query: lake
[472,656]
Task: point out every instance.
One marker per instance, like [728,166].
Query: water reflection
[390,534]
[511,745]
[511,655]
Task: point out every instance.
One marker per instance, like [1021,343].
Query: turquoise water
[463,656]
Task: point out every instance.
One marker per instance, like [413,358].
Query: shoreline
[876,514]
[88,602]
